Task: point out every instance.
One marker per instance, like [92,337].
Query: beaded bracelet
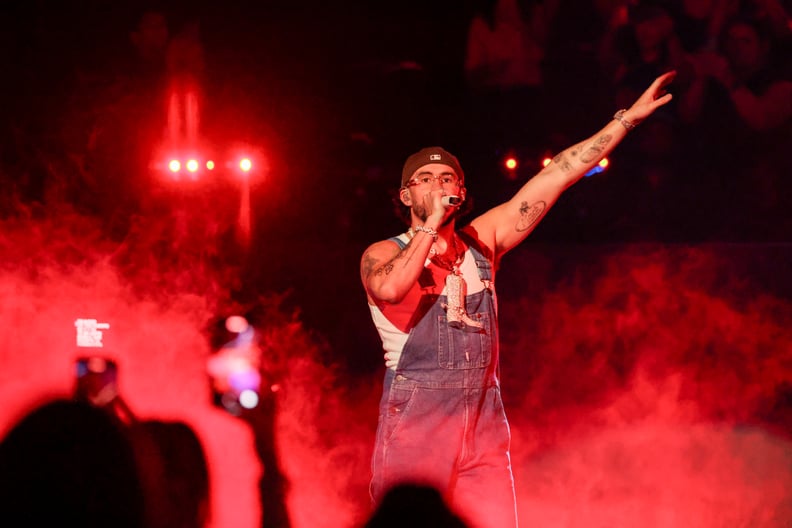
[619,116]
[428,230]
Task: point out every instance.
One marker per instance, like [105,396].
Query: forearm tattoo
[586,156]
[561,160]
[594,152]
[529,215]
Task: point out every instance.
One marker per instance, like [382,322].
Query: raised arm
[506,225]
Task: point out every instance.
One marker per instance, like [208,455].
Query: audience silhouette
[68,463]
[414,505]
[175,474]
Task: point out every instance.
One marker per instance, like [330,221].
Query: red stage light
[174,165]
[511,163]
[192,165]
[546,162]
[245,164]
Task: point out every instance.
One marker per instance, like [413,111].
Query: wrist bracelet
[428,230]
[619,116]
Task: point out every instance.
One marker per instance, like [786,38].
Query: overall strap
[399,241]
[482,263]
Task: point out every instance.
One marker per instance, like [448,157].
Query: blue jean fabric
[441,418]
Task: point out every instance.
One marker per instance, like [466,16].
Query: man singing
[432,298]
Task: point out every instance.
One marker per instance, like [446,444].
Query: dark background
[335,95]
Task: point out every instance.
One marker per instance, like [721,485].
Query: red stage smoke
[645,386]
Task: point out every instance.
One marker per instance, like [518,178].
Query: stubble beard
[420,212]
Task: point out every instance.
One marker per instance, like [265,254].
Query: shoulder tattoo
[368,264]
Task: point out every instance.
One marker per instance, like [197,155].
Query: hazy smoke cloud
[652,387]
[645,386]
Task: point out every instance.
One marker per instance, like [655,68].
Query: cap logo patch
[435,157]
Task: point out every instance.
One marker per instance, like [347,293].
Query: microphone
[451,201]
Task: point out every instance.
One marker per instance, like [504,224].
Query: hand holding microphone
[451,201]
[440,206]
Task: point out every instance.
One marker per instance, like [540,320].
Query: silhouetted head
[415,506]
[68,463]
[747,46]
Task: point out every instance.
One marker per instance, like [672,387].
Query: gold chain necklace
[452,266]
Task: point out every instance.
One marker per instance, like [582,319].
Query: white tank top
[393,339]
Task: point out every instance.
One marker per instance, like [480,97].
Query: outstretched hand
[653,98]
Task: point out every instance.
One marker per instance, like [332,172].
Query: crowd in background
[538,75]
[497,78]
[71,462]
[76,463]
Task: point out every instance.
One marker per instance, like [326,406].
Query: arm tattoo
[368,264]
[388,266]
[529,215]
[386,269]
[595,150]
[561,160]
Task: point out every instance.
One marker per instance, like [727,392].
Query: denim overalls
[441,419]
